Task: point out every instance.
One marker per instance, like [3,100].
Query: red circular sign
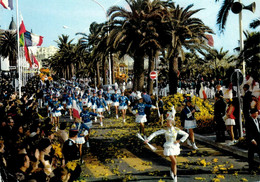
[153,75]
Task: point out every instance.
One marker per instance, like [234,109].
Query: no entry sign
[153,75]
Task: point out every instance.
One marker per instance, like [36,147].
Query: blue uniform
[69,101]
[140,108]
[116,97]
[55,108]
[101,103]
[85,115]
[141,117]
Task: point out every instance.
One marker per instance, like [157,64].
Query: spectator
[62,134]
[246,101]
[253,137]
[219,113]
[71,153]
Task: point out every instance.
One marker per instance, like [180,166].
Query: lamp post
[109,60]
[237,8]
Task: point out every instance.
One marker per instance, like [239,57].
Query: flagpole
[18,50]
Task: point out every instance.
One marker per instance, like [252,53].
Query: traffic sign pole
[239,108]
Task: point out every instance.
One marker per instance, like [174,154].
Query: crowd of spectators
[27,139]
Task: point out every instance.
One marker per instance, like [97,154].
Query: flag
[75,109]
[210,40]
[22,30]
[36,40]
[7,4]
[35,62]
[32,39]
[27,55]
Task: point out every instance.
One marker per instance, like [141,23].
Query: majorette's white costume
[170,148]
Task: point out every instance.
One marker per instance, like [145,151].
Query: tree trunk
[150,81]
[104,71]
[138,73]
[98,74]
[173,72]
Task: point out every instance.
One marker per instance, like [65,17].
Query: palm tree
[223,14]
[63,62]
[216,59]
[251,53]
[255,23]
[131,33]
[182,31]
[8,46]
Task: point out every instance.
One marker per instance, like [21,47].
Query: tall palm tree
[64,60]
[8,46]
[136,32]
[183,31]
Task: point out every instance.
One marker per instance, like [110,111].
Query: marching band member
[85,117]
[69,105]
[141,116]
[108,97]
[172,145]
[101,105]
[189,121]
[116,102]
[94,103]
[123,103]
[56,112]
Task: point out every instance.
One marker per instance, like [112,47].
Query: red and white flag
[75,109]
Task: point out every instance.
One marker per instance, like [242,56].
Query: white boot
[95,119]
[87,144]
[171,174]
[123,120]
[175,178]
[116,116]
[101,124]
[188,142]
[70,117]
[194,146]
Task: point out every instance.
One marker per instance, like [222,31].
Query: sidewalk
[233,149]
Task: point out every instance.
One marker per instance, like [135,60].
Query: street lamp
[109,60]
[237,9]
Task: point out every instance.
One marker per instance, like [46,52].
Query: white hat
[171,114]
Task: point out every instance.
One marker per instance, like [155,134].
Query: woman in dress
[56,112]
[123,103]
[116,97]
[108,97]
[140,115]
[230,120]
[83,130]
[94,103]
[172,145]
[69,105]
[189,122]
[101,106]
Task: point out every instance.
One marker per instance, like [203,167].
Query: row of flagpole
[18,51]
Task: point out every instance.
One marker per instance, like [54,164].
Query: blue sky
[47,18]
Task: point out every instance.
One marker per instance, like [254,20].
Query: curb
[231,149]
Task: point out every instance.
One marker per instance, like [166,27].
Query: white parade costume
[170,148]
